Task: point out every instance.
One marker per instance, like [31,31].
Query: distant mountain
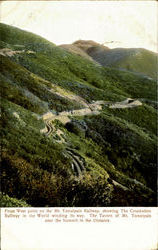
[137,60]
[86,45]
[73,133]
[76,50]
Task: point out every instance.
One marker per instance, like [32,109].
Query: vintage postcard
[78,125]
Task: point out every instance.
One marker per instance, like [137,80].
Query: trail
[10,53]
[49,127]
[128,103]
[64,116]
[78,163]
[90,109]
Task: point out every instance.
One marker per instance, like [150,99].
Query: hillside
[136,60]
[73,133]
[76,50]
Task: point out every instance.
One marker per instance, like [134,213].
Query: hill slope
[76,50]
[73,133]
[137,60]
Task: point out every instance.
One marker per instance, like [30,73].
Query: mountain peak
[87,44]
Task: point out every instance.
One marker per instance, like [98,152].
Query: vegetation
[117,147]
[6,201]
[138,60]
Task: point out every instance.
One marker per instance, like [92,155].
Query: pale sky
[126,23]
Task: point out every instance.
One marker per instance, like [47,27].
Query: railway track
[78,163]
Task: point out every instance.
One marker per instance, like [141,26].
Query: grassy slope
[37,163]
[137,60]
[144,61]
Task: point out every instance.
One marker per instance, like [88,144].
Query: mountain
[73,133]
[76,50]
[136,60]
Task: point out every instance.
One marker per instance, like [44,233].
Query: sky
[112,23]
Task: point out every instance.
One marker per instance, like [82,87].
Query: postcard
[78,125]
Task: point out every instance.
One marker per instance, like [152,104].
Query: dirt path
[64,117]
[128,103]
[49,127]
[10,53]
[90,109]
[78,163]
